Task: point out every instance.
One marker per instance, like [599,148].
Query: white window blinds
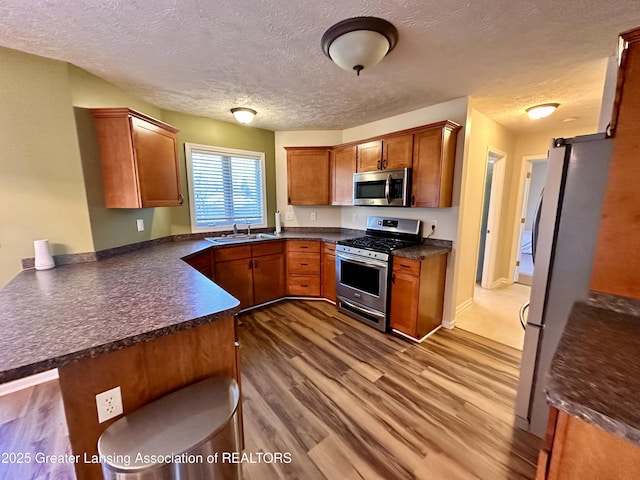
[225,187]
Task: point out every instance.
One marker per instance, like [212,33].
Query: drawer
[407,265]
[303,246]
[329,248]
[232,253]
[306,285]
[303,263]
[267,248]
[200,261]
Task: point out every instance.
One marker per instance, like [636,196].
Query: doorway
[535,178]
[490,224]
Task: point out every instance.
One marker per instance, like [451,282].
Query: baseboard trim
[500,281]
[27,382]
[416,340]
[463,306]
[449,325]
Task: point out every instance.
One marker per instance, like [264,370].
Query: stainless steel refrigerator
[565,244]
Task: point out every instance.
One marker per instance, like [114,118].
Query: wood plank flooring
[349,402]
[346,402]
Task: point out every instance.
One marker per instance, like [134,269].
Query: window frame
[223,151]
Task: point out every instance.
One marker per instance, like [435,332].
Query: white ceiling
[206,56]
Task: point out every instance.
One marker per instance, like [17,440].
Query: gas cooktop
[378,244]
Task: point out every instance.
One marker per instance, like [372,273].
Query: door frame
[493,220]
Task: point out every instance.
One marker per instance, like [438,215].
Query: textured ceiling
[205,57]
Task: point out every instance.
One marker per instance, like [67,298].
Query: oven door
[361,285]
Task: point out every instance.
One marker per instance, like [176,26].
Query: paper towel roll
[278,226]
[44,260]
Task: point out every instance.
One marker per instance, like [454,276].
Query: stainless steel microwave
[389,188]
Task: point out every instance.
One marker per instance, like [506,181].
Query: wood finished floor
[351,403]
[346,401]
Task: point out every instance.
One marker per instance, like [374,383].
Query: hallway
[494,314]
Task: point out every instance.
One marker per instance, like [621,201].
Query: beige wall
[206,131]
[483,134]
[42,193]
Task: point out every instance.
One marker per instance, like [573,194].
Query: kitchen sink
[240,237]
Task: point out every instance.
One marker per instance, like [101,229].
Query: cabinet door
[343,166]
[268,278]
[157,160]
[370,156]
[405,291]
[398,152]
[329,271]
[308,176]
[235,276]
[433,159]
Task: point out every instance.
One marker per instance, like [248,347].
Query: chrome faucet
[235,229]
[248,229]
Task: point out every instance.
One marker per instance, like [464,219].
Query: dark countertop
[595,373]
[49,318]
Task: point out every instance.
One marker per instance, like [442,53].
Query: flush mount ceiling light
[243,115]
[541,111]
[360,42]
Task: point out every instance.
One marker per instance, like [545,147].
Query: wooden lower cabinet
[202,261]
[303,268]
[577,450]
[254,274]
[329,271]
[417,294]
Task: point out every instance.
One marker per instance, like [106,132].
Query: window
[225,187]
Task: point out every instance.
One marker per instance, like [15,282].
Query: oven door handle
[368,263]
[362,308]
[387,189]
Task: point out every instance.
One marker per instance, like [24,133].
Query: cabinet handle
[304,246]
[255,264]
[405,266]
[384,164]
[304,264]
[180,199]
[250,264]
[393,278]
[305,285]
[379,165]
[413,199]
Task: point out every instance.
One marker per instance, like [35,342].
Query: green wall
[42,191]
[50,177]
[206,131]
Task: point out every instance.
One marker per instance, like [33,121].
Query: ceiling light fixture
[243,115]
[360,42]
[541,111]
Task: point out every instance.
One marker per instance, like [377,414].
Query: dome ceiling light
[542,111]
[243,115]
[360,42]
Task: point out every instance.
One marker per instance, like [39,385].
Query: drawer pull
[305,285]
[304,264]
[405,266]
[304,246]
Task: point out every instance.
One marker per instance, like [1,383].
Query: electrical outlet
[314,216]
[434,225]
[288,215]
[140,224]
[109,404]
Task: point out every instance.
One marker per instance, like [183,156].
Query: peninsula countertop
[49,318]
[595,373]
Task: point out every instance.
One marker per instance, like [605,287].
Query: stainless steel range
[363,268]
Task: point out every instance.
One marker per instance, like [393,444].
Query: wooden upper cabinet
[308,175]
[616,262]
[370,156]
[434,153]
[385,154]
[139,157]
[343,166]
[397,152]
